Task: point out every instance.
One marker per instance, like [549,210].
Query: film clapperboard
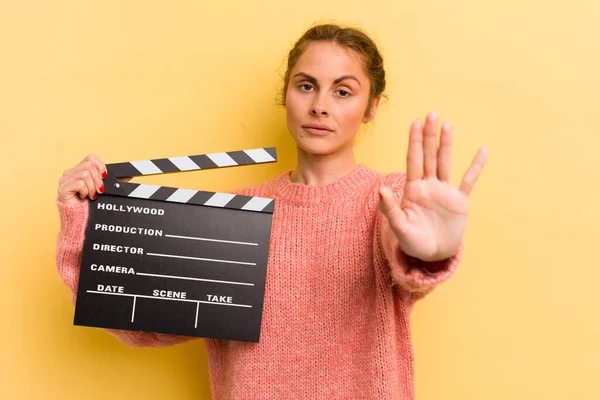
[178,261]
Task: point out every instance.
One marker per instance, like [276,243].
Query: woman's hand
[83,180]
[430,219]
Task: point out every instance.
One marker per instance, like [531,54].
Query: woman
[351,250]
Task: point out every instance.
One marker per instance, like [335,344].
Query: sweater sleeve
[415,277]
[69,249]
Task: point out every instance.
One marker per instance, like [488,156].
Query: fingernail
[104,175]
[93,196]
[433,114]
[101,190]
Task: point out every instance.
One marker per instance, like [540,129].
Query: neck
[316,169]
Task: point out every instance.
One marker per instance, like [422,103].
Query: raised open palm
[430,218]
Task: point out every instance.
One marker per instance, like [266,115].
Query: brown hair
[352,38]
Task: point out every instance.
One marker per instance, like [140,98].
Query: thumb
[389,206]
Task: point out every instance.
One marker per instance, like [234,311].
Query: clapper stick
[179,261]
[190,163]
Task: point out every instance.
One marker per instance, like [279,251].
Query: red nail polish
[104,175]
[102,189]
[93,196]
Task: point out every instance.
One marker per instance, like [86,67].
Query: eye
[344,93]
[305,87]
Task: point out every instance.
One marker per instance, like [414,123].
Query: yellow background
[131,80]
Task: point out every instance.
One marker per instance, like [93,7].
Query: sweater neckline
[342,188]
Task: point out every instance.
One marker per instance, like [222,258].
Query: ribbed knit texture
[338,296]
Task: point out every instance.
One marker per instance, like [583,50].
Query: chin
[318,146]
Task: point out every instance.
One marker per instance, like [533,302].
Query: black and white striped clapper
[176,261]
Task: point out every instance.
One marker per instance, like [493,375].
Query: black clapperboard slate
[177,261]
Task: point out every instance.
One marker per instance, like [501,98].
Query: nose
[319,111]
[319,107]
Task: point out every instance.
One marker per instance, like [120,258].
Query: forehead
[329,61]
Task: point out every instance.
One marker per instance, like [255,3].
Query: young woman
[351,250]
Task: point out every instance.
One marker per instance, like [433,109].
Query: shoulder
[393,180]
[369,195]
[372,181]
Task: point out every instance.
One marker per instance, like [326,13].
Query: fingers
[430,145]
[85,183]
[92,168]
[76,186]
[90,160]
[93,182]
[414,157]
[471,175]
[424,159]
[83,180]
[99,165]
[444,154]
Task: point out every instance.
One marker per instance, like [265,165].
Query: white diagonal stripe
[144,191]
[184,163]
[219,199]
[259,155]
[182,195]
[222,159]
[257,204]
[146,167]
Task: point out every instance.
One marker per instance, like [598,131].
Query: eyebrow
[338,80]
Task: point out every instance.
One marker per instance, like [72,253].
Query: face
[326,99]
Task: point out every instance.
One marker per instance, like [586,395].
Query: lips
[317,129]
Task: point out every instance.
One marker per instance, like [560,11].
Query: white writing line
[211,240]
[167,298]
[199,258]
[133,312]
[195,279]
[197,307]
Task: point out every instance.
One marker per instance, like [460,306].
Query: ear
[372,110]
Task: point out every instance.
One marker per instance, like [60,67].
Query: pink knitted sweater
[338,296]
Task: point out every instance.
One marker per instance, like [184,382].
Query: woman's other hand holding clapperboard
[83,180]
